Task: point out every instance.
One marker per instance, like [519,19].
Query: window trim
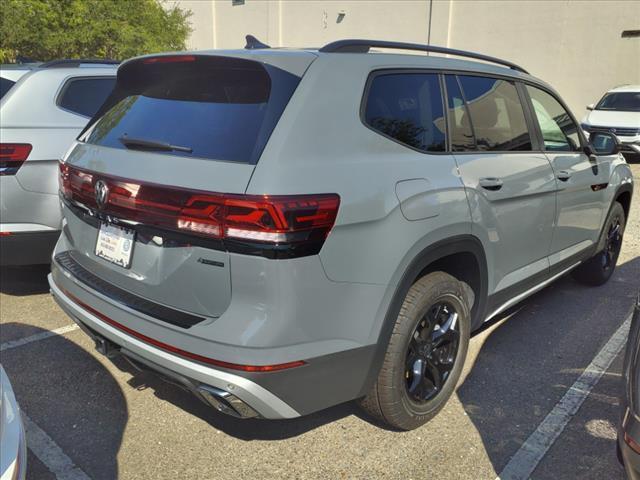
[536,133]
[532,124]
[68,81]
[466,110]
[394,71]
[581,137]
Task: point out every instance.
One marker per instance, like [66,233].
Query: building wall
[574,45]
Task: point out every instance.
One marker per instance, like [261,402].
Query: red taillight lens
[635,446]
[170,59]
[294,225]
[12,156]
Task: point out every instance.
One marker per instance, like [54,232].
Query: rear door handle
[563,175]
[491,183]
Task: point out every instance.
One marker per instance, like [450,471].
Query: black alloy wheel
[432,352]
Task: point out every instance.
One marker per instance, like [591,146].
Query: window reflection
[559,131]
[408,108]
[497,116]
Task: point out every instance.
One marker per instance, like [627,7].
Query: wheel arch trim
[427,256]
[626,187]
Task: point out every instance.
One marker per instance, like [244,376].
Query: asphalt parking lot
[90,418]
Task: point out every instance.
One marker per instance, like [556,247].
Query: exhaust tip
[226,402]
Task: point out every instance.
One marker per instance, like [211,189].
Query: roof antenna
[253,43]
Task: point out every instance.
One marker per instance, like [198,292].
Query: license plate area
[115,244]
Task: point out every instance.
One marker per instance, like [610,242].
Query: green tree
[117,29]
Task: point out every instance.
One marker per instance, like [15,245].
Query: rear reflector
[178,351]
[12,156]
[272,226]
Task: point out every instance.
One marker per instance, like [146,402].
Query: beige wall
[573,45]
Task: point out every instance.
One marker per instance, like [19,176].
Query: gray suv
[43,108]
[280,231]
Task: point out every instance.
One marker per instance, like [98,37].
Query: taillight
[12,156]
[635,446]
[271,226]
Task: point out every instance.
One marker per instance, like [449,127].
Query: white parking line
[37,337]
[50,454]
[533,450]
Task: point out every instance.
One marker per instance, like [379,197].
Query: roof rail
[76,62]
[363,46]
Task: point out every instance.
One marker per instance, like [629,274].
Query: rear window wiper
[142,144]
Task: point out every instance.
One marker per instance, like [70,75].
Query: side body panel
[582,202]
[322,146]
[514,223]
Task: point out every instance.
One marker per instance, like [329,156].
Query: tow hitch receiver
[105,347]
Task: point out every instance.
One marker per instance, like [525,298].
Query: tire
[598,269]
[400,397]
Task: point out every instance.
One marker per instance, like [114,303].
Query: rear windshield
[5,86]
[218,108]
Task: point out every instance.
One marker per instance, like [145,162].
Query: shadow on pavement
[528,362]
[73,398]
[27,280]
[523,369]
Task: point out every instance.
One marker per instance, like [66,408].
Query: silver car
[42,110]
[280,231]
[13,454]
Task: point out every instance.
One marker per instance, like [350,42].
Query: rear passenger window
[497,116]
[408,108]
[85,96]
[462,138]
[559,132]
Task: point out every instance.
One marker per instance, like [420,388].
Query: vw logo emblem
[612,130]
[102,193]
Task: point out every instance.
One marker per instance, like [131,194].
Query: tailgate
[141,185]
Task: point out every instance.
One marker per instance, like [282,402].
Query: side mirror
[591,106]
[602,143]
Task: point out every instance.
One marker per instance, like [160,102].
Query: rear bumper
[321,382]
[191,374]
[27,248]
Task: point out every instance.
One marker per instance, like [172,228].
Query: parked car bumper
[30,220]
[629,432]
[630,144]
[26,247]
[13,454]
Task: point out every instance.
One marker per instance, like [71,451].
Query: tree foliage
[117,29]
